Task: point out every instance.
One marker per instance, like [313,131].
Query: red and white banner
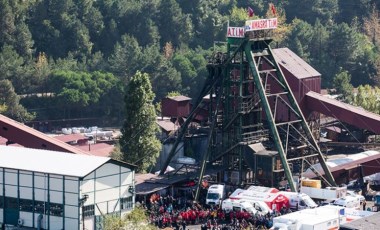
[261,24]
[235,32]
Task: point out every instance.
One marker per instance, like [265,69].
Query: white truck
[299,201]
[322,194]
[238,205]
[348,202]
[321,218]
[215,194]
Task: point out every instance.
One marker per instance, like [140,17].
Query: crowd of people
[179,213]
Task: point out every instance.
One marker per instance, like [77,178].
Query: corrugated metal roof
[46,161]
[344,163]
[294,64]
[3,141]
[98,149]
[350,114]
[180,98]
[167,125]
[70,137]
[368,222]
[29,137]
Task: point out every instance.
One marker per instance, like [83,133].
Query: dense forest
[65,59]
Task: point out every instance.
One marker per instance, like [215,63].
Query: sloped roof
[180,98]
[167,125]
[368,222]
[70,137]
[3,141]
[46,161]
[294,64]
[350,114]
[144,186]
[98,149]
[29,137]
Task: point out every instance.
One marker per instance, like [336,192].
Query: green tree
[258,6]
[238,16]
[14,30]
[25,43]
[350,9]
[135,220]
[187,70]
[10,103]
[138,142]
[126,58]
[344,47]
[174,27]
[343,87]
[367,98]
[163,76]
[318,46]
[309,10]
[299,38]
[74,91]
[209,24]
[13,67]
[372,26]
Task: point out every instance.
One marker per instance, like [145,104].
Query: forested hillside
[64,59]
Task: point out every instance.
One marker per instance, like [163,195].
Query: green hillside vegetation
[67,59]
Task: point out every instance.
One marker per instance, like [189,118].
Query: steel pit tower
[256,126]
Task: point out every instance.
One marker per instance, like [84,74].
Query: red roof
[98,149]
[294,64]
[350,114]
[70,137]
[31,138]
[180,98]
[3,141]
[167,125]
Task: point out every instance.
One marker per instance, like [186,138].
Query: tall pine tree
[138,142]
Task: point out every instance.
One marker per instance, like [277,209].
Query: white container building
[55,190]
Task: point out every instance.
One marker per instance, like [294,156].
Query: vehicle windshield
[213,196]
[309,202]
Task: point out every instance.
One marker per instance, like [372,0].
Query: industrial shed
[51,190]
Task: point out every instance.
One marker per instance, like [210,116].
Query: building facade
[55,190]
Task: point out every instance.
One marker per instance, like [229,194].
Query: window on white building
[88,210]
[56,209]
[126,203]
[11,202]
[26,205]
[39,207]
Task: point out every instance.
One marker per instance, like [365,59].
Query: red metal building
[178,106]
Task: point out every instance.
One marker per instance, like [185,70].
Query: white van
[299,200]
[348,202]
[238,205]
[215,194]
[261,207]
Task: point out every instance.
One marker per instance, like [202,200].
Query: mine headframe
[253,111]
